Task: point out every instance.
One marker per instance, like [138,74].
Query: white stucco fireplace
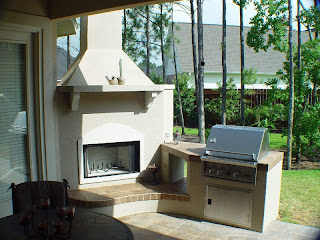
[109,134]
[110,152]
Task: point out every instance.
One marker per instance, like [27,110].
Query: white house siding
[212,79]
[265,63]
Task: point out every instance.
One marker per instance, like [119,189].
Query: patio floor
[168,226]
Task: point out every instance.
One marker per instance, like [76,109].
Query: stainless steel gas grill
[232,152]
[244,144]
[241,189]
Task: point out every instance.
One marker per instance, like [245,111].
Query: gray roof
[264,62]
[62,62]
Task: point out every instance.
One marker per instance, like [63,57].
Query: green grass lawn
[276,139]
[300,197]
[188,131]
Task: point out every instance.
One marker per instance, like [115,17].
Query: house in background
[68,41]
[266,64]
[62,59]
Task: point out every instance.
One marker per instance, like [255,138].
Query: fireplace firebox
[110,152]
[111,159]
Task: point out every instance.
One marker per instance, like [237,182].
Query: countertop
[193,151]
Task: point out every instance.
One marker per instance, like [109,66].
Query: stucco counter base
[265,193]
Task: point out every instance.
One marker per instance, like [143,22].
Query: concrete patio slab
[162,226]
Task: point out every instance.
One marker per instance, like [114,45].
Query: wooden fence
[256,99]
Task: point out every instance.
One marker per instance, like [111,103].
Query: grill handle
[251,155]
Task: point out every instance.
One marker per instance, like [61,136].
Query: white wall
[109,29]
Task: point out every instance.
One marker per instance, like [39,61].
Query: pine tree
[291,90]
[194,47]
[200,87]
[242,4]
[176,76]
[224,64]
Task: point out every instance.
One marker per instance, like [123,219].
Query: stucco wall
[105,30]
[97,109]
[34,7]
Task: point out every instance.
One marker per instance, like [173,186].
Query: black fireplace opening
[108,159]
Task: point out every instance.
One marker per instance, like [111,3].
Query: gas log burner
[111,159]
[241,188]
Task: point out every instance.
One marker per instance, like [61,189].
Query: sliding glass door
[17,138]
[14,158]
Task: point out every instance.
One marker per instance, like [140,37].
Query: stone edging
[127,199]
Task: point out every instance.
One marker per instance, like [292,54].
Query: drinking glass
[70,210]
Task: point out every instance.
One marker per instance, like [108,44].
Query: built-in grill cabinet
[236,185]
[229,205]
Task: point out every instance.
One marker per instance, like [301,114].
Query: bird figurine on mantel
[121,80]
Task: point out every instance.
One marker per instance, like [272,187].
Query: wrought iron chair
[29,194]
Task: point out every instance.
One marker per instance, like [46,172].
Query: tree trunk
[194,50]
[224,65]
[147,43]
[162,44]
[242,103]
[314,93]
[316,34]
[177,80]
[314,90]
[308,27]
[200,97]
[298,140]
[68,52]
[124,35]
[291,91]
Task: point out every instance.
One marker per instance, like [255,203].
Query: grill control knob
[219,172]
[211,170]
[235,174]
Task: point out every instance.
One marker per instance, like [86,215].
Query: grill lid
[238,142]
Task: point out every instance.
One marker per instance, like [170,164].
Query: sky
[212,12]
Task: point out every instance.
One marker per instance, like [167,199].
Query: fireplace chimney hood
[101,58]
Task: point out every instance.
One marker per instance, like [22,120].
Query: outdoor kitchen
[116,133]
[234,179]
